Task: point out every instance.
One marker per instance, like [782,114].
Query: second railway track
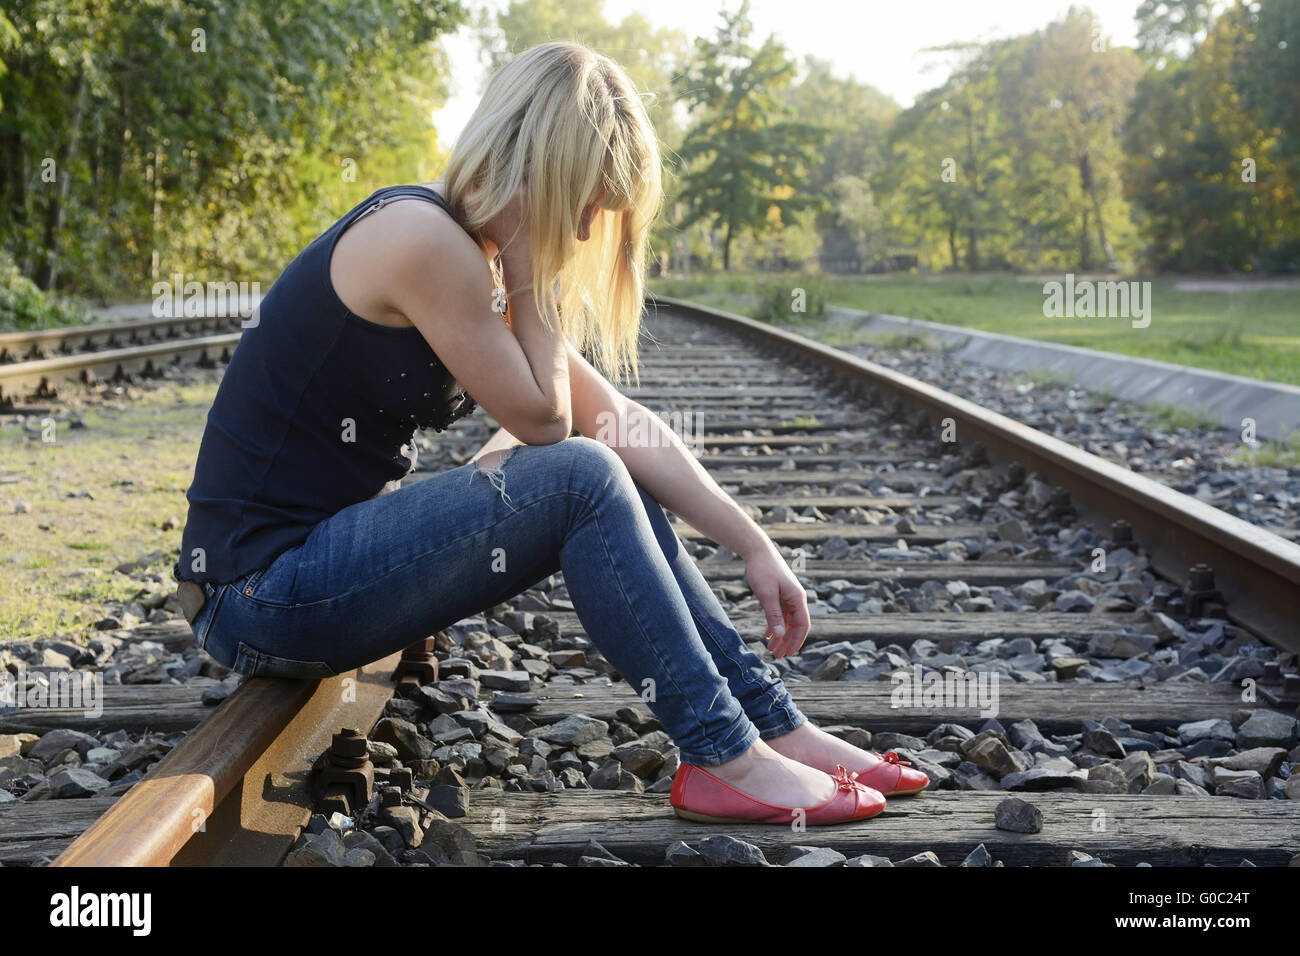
[1153,695]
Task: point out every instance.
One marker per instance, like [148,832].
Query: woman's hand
[784,600]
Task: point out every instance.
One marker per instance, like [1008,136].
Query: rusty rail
[1257,572]
[236,790]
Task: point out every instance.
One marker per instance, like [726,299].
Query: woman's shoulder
[402,242]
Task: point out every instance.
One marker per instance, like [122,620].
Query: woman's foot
[764,774]
[817,749]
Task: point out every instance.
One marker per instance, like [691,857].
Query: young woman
[295,564]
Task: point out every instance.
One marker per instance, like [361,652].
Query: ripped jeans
[384,573]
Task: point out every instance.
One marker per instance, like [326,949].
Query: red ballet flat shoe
[700,796]
[892,776]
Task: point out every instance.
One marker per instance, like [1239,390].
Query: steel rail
[44,376]
[67,340]
[1257,572]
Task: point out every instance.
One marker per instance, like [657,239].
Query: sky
[878,43]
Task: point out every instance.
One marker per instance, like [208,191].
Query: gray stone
[359,857]
[1214,728]
[1267,728]
[992,756]
[1043,778]
[321,849]
[642,761]
[1018,816]
[1265,761]
[926,858]
[1139,770]
[1162,784]
[979,856]
[812,856]
[449,801]
[679,854]
[361,840]
[511,681]
[1100,740]
[406,737]
[572,731]
[54,742]
[1079,858]
[1073,602]
[1025,735]
[406,821]
[1243,784]
[722,850]
[885,742]
[75,782]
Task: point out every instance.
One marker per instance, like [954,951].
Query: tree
[743,154]
[198,137]
[1215,179]
[857,117]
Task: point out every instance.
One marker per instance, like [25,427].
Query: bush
[24,306]
[795,301]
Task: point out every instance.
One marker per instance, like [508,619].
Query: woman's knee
[590,458]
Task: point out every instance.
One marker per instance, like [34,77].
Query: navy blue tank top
[317,411]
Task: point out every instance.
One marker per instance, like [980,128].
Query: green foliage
[1014,161]
[745,159]
[787,303]
[1213,157]
[24,306]
[141,138]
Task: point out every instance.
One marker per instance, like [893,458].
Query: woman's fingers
[770,597]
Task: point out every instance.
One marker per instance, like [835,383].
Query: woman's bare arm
[435,275]
[662,464]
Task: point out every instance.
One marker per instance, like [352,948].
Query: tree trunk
[1085,256]
[49,270]
[1090,187]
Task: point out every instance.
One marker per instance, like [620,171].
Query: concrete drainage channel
[1227,399]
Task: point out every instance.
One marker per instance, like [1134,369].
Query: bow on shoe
[891,757]
[845,778]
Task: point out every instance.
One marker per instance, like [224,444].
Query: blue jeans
[384,573]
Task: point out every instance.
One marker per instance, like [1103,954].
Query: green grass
[1284,453]
[1175,417]
[59,552]
[801,420]
[1251,332]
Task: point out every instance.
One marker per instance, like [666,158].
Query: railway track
[1128,695]
[37,363]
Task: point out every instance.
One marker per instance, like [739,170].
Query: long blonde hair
[569,120]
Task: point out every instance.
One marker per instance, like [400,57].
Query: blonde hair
[569,121]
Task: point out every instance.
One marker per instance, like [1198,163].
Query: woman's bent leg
[763,696]
[383,573]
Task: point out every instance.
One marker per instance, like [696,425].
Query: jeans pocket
[254,663]
[247,584]
[272,585]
